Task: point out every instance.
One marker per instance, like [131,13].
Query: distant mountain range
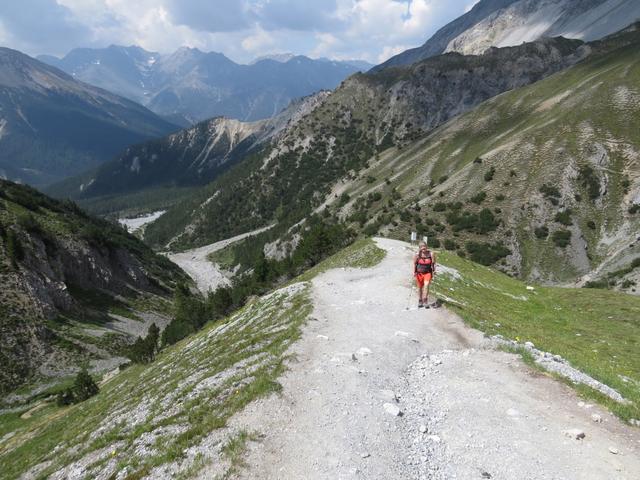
[193,156]
[190,85]
[502,23]
[53,126]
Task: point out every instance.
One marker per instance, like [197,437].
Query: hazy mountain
[503,23]
[52,126]
[193,156]
[75,289]
[278,57]
[193,85]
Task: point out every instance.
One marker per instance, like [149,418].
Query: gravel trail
[466,411]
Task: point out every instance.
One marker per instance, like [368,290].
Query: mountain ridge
[199,85]
[500,23]
[193,156]
[54,126]
[367,114]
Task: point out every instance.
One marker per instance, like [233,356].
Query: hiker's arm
[433,257]
[415,260]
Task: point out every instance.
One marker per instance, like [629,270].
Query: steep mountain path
[468,411]
[207,275]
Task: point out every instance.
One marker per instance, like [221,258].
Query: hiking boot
[420,304]
[426,305]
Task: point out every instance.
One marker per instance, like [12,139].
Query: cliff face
[528,20]
[422,96]
[67,279]
[502,23]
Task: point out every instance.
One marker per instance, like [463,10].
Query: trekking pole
[410,296]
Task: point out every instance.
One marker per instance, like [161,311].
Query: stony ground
[207,275]
[381,389]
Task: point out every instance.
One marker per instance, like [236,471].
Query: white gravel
[467,410]
[133,224]
[207,275]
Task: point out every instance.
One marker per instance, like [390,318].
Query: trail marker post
[414,237]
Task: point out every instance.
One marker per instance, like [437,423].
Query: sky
[371,30]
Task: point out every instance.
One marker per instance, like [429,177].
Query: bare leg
[420,294]
[426,296]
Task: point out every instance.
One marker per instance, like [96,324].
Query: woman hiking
[424,268]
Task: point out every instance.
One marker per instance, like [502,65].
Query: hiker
[424,268]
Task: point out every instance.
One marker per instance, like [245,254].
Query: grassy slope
[245,353]
[597,331]
[544,133]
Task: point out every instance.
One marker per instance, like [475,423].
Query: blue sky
[372,30]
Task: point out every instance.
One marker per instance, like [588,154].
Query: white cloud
[367,29]
[390,51]
[470,6]
[259,42]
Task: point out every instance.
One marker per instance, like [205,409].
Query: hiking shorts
[422,278]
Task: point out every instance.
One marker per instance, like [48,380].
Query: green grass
[597,331]
[234,451]
[363,253]
[224,257]
[259,335]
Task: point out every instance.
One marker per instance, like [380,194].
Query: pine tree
[84,387]
[14,248]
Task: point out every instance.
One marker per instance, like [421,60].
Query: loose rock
[613,450]
[389,395]
[392,409]
[574,433]
[596,418]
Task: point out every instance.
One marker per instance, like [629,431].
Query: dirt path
[467,411]
[207,275]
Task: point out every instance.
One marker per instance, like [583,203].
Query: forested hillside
[75,290]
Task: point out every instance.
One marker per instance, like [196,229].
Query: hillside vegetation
[75,289]
[544,180]
[367,114]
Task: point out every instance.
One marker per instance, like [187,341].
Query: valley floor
[207,275]
[467,410]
